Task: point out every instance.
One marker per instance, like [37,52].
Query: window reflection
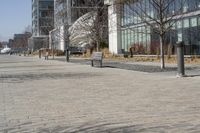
[186,29]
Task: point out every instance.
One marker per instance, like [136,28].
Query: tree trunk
[53,51]
[98,46]
[162,56]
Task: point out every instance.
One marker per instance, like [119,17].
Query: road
[56,97]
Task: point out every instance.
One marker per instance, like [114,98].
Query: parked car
[5,51]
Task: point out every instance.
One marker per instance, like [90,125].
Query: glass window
[123,39]
[129,38]
[193,22]
[148,39]
[186,23]
[178,6]
[199,20]
[173,25]
[179,24]
[140,34]
[193,4]
[122,15]
[126,40]
[125,15]
[136,36]
[147,9]
[198,3]
[143,30]
[132,37]
[185,7]
[180,38]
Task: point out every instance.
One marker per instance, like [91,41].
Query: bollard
[180,59]
[40,54]
[67,55]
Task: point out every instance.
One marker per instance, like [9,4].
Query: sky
[15,15]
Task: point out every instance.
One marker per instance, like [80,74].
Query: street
[52,96]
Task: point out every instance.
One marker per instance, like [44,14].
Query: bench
[75,51]
[125,53]
[97,56]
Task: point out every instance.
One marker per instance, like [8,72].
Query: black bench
[125,53]
[97,56]
[75,51]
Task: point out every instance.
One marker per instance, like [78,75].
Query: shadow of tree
[193,75]
[106,128]
[19,78]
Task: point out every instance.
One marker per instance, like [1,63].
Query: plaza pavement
[56,97]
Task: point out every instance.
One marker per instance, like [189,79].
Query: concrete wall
[114,29]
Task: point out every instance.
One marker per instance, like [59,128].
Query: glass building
[42,17]
[70,10]
[66,12]
[130,29]
[42,23]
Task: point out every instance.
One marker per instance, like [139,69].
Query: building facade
[20,40]
[42,21]
[42,17]
[66,12]
[1,45]
[127,29]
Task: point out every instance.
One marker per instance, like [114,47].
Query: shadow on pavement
[195,75]
[105,128]
[122,128]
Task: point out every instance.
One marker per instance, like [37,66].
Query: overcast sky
[15,15]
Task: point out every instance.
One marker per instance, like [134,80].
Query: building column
[61,38]
[114,24]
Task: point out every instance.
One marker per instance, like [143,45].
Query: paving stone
[56,97]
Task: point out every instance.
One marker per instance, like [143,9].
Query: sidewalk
[150,67]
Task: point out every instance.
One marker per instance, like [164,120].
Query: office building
[42,23]
[66,13]
[127,30]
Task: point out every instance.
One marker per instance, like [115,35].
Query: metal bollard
[40,54]
[67,55]
[180,59]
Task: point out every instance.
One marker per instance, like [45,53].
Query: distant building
[4,44]
[20,41]
[10,43]
[1,45]
[42,22]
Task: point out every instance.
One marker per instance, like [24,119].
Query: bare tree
[91,27]
[159,15]
[90,22]
[69,15]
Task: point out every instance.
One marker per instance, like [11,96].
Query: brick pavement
[55,97]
